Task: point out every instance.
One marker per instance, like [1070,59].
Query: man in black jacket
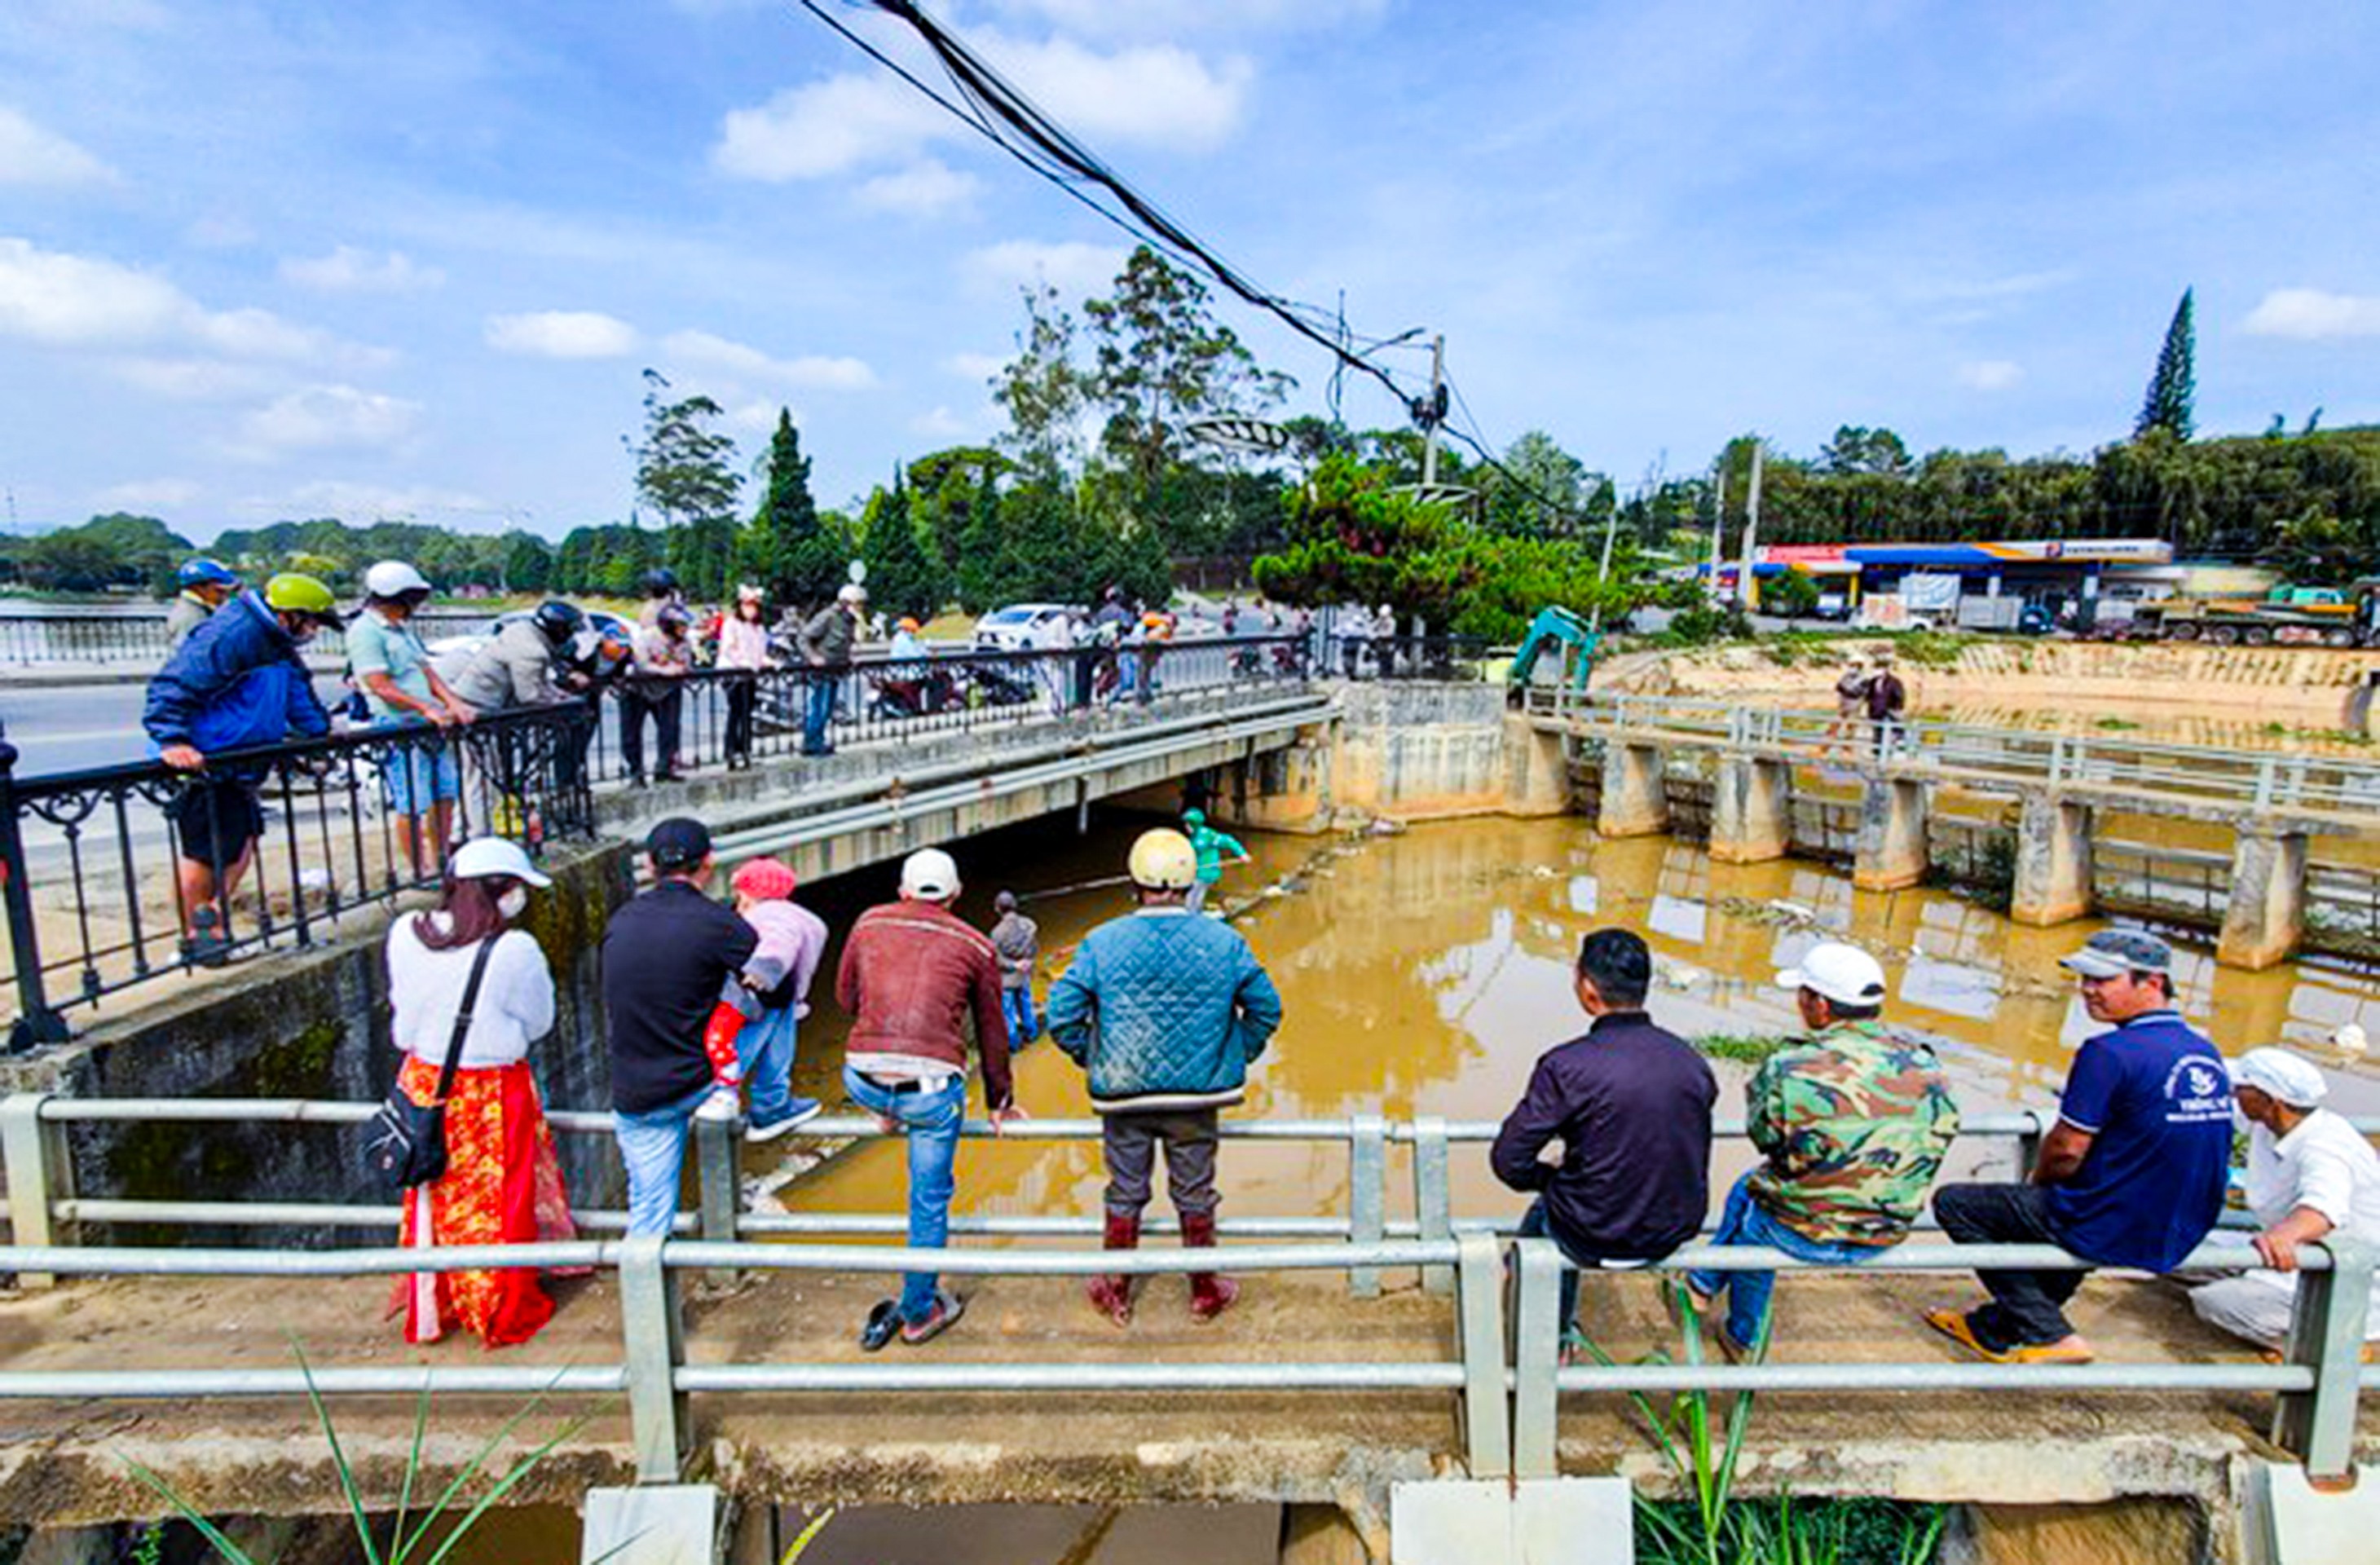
[666,956]
[1632,1106]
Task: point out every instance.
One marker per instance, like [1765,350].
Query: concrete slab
[1465,1522]
[1538,1522]
[2301,1525]
[661,1524]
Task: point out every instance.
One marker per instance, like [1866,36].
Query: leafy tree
[945,488]
[1043,390]
[686,472]
[904,578]
[2173,389]
[788,547]
[1790,594]
[1547,492]
[528,563]
[1858,449]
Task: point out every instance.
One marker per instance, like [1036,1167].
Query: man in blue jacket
[1165,1011]
[238,682]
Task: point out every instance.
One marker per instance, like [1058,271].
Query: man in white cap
[2132,1175]
[392,667]
[825,643]
[913,973]
[2310,1176]
[1852,1123]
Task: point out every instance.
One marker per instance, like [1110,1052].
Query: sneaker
[804,1111]
[948,1308]
[884,1320]
[720,1106]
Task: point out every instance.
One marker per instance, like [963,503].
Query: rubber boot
[1211,1293]
[1111,1295]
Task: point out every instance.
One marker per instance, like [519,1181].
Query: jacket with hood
[238,682]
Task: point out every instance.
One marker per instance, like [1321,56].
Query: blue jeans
[764,1052]
[1023,1025]
[932,1119]
[652,1144]
[1746,1223]
[819,708]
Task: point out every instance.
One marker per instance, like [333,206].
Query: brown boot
[1111,1295]
[1211,1293]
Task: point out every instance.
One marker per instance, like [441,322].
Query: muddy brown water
[1422,974]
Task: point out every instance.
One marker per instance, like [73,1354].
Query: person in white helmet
[423,773]
[912,975]
[2312,1176]
[826,642]
[1165,1012]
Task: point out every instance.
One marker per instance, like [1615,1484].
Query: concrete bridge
[1760,759]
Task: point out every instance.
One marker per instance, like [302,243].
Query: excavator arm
[1559,631]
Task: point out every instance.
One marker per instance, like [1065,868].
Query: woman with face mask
[502,1184]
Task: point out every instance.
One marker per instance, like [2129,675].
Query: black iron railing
[142,870]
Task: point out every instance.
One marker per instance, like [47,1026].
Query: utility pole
[1436,406]
[1718,518]
[1744,592]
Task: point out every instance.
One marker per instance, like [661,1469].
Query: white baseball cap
[393,578]
[928,875]
[1843,973]
[483,856]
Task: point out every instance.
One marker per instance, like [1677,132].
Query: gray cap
[2112,952]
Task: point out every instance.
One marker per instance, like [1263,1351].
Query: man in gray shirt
[1016,941]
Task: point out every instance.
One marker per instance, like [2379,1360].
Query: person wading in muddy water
[1165,1012]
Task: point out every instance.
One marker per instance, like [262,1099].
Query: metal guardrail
[33,639]
[2259,782]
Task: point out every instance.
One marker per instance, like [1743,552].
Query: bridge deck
[64,1461]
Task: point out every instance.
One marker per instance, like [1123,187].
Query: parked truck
[2305,617]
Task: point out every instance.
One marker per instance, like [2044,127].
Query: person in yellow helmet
[1165,1012]
[239,680]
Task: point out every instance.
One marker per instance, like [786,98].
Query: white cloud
[352,501]
[1077,270]
[1154,93]
[757,417]
[348,270]
[322,417]
[78,301]
[826,128]
[942,424]
[197,380]
[145,494]
[976,367]
[562,333]
[929,188]
[1171,18]
[2315,315]
[811,371]
[31,155]
[1990,374]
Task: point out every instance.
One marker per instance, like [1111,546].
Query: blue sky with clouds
[271,258]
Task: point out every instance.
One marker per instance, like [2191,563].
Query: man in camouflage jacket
[1852,1124]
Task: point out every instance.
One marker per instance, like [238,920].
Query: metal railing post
[719,1182]
[1479,1335]
[33,1155]
[1367,1195]
[2263,796]
[2028,1146]
[1433,1200]
[36,1022]
[2327,1328]
[1536,1357]
[652,1337]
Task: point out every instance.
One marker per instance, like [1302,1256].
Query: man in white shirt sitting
[2310,1175]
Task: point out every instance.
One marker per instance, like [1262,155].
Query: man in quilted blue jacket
[1164,1010]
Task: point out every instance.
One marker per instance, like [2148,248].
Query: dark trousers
[742,694]
[664,700]
[2026,1307]
[1536,1224]
[1130,1142]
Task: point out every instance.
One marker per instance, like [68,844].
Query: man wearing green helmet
[1210,847]
[240,681]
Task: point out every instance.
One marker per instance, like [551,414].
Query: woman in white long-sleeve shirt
[503,1185]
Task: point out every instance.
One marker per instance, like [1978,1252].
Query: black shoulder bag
[405,1145]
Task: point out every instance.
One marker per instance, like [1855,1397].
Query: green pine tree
[2174,388]
[904,578]
[788,548]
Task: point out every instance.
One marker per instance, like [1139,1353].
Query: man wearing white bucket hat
[2310,1176]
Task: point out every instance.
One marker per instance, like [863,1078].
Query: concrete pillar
[1892,850]
[1635,800]
[1536,771]
[2053,861]
[1752,809]
[2266,917]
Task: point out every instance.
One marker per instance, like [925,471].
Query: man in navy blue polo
[2132,1174]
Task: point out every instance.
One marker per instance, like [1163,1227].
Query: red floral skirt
[502,1185]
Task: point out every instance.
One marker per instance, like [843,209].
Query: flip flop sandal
[947,1310]
[884,1320]
[1953,1324]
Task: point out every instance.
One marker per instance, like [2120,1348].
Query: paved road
[68,728]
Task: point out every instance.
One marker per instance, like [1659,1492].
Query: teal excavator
[1563,633]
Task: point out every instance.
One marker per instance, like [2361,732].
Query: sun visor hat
[483,856]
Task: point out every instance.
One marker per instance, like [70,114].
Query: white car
[1018,627]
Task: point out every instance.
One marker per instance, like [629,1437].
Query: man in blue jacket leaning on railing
[240,681]
[1165,1011]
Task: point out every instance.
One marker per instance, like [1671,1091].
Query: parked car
[1018,627]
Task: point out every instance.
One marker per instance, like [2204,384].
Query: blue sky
[269,259]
